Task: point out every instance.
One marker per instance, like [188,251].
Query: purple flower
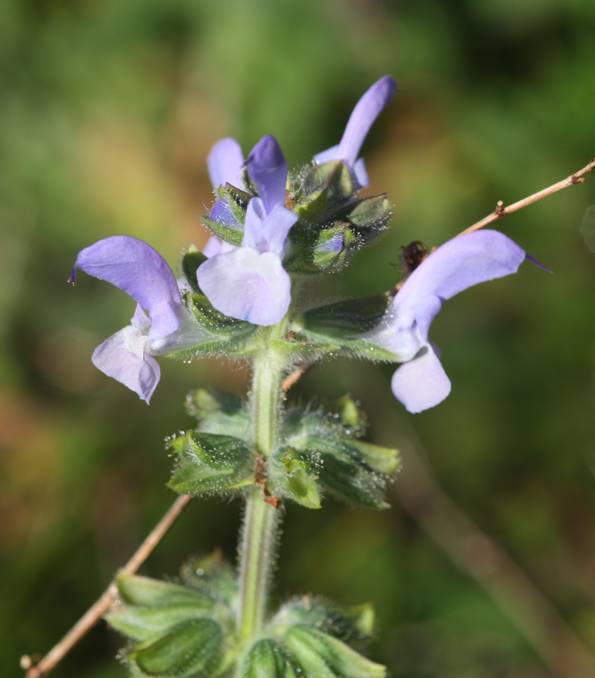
[249,282]
[367,109]
[467,260]
[137,269]
[226,166]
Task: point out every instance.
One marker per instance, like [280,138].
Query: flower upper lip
[368,108]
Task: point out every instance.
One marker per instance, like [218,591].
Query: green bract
[318,453]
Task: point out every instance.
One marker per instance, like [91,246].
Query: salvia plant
[240,298]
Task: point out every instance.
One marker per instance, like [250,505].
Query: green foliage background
[107,112]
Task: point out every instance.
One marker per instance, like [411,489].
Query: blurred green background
[107,112]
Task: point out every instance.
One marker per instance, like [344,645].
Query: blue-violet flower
[249,282]
[466,260]
[140,271]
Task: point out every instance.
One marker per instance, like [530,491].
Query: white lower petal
[247,285]
[123,358]
[422,382]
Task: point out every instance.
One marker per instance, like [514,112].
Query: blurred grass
[107,112]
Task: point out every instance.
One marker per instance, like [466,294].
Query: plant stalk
[261,520]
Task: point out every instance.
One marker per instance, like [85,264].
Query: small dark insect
[412,255]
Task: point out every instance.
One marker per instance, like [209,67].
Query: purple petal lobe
[422,382]
[247,285]
[123,358]
[225,163]
[267,232]
[220,212]
[332,153]
[216,246]
[268,170]
[460,263]
[361,173]
[140,271]
[367,109]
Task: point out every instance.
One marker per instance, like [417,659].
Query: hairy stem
[258,541]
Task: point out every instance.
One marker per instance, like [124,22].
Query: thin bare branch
[501,210]
[103,603]
[475,553]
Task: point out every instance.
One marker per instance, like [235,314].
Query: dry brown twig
[501,210]
[103,603]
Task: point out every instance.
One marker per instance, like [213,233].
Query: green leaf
[322,655]
[294,475]
[209,463]
[191,260]
[219,413]
[267,659]
[137,590]
[188,649]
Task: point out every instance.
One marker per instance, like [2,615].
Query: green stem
[257,556]
[261,520]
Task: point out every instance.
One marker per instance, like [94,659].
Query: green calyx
[317,453]
[236,201]
[333,222]
[188,629]
[183,629]
[342,465]
[313,637]
[207,463]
